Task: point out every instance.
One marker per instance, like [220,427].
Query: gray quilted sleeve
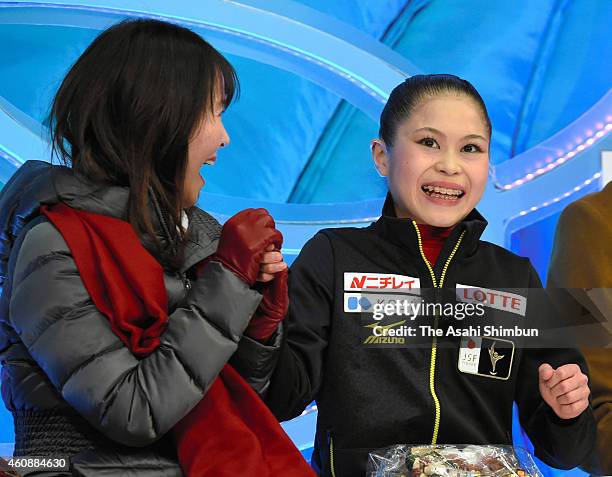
[256,361]
[132,401]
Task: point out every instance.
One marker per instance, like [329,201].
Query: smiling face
[209,136]
[438,166]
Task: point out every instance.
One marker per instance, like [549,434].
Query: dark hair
[127,109]
[407,96]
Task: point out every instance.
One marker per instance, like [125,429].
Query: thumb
[546,371]
[279,285]
[276,238]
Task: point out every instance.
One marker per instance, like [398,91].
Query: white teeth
[443,191]
[443,196]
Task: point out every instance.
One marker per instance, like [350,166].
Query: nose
[225,139]
[448,164]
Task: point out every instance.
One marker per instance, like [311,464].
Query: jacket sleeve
[132,401]
[580,260]
[560,443]
[256,361]
[299,371]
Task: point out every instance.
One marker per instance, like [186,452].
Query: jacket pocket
[346,462]
[19,362]
[123,463]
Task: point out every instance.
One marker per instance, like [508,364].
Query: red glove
[244,239]
[272,309]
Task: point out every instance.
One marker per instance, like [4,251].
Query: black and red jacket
[370,397]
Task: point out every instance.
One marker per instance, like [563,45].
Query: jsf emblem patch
[486,357]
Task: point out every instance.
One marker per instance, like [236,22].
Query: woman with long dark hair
[123,302]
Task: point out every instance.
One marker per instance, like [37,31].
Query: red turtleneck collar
[433,239]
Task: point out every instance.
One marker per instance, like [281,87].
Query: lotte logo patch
[500,300]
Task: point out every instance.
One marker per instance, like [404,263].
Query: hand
[272,309]
[245,237]
[271,263]
[564,389]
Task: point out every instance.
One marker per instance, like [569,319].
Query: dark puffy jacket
[73,387]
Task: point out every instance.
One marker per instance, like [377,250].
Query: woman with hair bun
[375,388]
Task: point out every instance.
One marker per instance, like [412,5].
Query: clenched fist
[245,239]
[564,389]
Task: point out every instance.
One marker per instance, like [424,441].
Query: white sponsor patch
[469,355]
[500,300]
[380,282]
[364,302]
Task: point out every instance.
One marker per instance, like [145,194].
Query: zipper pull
[186,282]
[437,295]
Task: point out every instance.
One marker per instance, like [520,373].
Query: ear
[380,156]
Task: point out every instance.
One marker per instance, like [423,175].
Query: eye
[429,142]
[471,148]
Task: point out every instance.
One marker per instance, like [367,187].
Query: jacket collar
[402,232]
[79,193]
[38,182]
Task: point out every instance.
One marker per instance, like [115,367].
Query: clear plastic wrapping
[451,461]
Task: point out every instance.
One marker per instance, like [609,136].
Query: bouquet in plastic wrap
[451,461]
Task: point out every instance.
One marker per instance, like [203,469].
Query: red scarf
[231,431]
